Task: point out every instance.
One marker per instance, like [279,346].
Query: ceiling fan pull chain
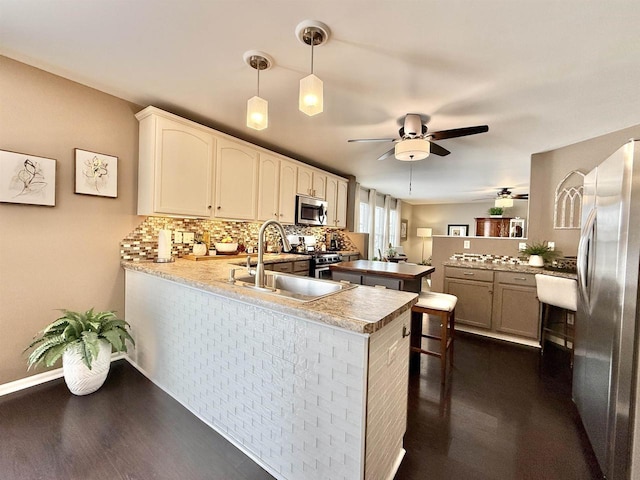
[410,176]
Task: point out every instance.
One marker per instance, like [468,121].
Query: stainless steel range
[319,265]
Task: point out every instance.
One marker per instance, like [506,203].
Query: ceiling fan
[505,197]
[506,193]
[416,143]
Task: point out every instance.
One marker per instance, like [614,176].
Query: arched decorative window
[567,204]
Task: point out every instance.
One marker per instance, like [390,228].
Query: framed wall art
[96,174]
[404,227]
[27,179]
[457,230]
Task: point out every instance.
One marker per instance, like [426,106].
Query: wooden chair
[443,306]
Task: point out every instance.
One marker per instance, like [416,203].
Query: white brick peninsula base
[303,398]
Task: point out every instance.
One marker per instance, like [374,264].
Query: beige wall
[65,256]
[549,168]
[439,216]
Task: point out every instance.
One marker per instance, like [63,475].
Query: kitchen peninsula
[309,390]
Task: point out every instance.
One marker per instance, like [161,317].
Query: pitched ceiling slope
[541,74]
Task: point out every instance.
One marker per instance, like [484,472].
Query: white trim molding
[40,378]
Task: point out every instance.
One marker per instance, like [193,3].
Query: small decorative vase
[536,261]
[79,379]
[200,249]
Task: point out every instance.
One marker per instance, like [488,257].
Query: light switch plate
[177,236]
[521,246]
[467,244]
[551,245]
[188,237]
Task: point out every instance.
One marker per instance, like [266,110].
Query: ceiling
[542,74]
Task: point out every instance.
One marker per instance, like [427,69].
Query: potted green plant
[539,253]
[84,342]
[496,212]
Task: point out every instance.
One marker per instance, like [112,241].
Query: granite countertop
[361,309]
[509,267]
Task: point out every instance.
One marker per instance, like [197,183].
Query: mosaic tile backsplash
[561,263]
[142,243]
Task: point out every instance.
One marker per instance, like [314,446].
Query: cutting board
[199,258]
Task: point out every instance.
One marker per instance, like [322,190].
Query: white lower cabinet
[236,181]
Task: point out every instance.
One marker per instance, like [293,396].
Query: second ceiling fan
[416,142]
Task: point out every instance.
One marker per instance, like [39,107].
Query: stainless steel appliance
[605,362]
[310,211]
[320,264]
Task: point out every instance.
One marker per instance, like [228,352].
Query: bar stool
[443,306]
[562,293]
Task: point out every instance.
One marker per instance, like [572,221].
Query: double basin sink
[304,289]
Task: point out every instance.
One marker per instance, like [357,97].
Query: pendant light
[258,108]
[310,100]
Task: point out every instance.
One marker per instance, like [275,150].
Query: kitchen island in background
[309,390]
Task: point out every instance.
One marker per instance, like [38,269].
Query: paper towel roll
[164,244]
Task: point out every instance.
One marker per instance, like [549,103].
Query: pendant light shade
[257,113]
[311,93]
[257,107]
[311,97]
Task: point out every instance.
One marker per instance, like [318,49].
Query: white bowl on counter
[226,247]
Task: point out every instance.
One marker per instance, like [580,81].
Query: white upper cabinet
[287,199]
[305,181]
[189,170]
[236,181]
[341,204]
[311,183]
[337,202]
[269,188]
[175,166]
[277,189]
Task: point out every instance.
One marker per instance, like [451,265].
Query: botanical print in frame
[404,227]
[96,174]
[457,230]
[27,179]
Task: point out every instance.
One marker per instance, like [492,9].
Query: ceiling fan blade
[373,140]
[387,154]
[521,196]
[459,132]
[438,150]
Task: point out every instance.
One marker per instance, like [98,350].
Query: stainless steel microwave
[310,211]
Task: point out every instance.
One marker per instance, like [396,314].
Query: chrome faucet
[260,276]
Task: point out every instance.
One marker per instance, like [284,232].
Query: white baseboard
[497,336]
[40,378]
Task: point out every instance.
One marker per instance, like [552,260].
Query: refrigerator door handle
[585,256]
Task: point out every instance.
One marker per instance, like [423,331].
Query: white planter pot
[79,379]
[536,261]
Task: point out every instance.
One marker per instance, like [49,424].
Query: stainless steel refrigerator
[605,358]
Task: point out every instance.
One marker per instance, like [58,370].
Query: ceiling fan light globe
[311,100]
[257,113]
[412,150]
[504,202]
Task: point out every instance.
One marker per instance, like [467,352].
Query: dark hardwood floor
[503,415]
